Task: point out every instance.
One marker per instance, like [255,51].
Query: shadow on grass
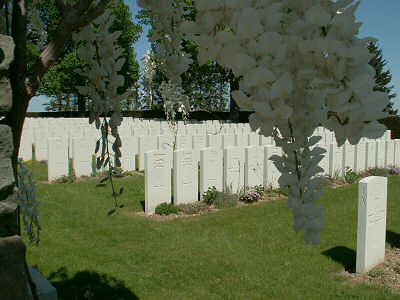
[343,255]
[393,239]
[89,285]
[142,203]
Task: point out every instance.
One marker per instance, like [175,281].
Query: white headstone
[234,158]
[380,154]
[146,143]
[45,290]
[27,140]
[198,142]
[254,166]
[371,229]
[129,151]
[271,173]
[41,136]
[228,140]
[361,157]
[157,179]
[349,156]
[73,134]
[324,163]
[183,142]
[371,154]
[57,158]
[254,139]
[241,140]
[214,140]
[336,160]
[211,169]
[396,153]
[389,150]
[185,177]
[82,152]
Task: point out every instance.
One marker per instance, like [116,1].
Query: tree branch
[61,7]
[74,18]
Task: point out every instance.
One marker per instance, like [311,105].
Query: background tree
[208,86]
[382,77]
[25,75]
[61,80]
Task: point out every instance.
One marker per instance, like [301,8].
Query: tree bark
[23,89]
[234,108]
[81,103]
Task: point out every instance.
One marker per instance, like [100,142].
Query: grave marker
[157,179]
[185,177]
[371,229]
[254,166]
[58,158]
[211,169]
[234,168]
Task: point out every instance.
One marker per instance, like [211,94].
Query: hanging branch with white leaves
[104,60]
[301,65]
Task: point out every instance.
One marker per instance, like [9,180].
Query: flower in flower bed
[395,171]
[250,197]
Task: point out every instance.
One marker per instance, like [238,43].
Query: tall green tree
[383,77]
[60,81]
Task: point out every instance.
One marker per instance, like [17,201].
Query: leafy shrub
[166,209]
[376,171]
[260,189]
[350,176]
[250,197]
[210,195]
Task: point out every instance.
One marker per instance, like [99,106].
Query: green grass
[240,253]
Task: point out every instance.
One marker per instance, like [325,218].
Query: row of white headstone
[358,157]
[238,168]
[190,136]
[231,168]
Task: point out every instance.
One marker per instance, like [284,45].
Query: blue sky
[380,19]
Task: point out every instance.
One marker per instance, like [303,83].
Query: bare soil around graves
[386,274]
[200,208]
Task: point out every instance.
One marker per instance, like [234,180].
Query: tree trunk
[81,103]
[234,108]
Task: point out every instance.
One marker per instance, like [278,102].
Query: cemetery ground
[250,252]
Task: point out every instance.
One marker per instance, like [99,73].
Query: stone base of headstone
[45,290]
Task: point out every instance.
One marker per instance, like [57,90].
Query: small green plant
[376,171]
[260,189]
[210,195]
[350,176]
[336,175]
[227,198]
[193,208]
[66,178]
[166,209]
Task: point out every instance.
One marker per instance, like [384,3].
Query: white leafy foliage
[149,71]
[167,18]
[28,202]
[302,66]
[104,60]
[174,100]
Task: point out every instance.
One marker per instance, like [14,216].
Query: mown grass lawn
[241,253]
